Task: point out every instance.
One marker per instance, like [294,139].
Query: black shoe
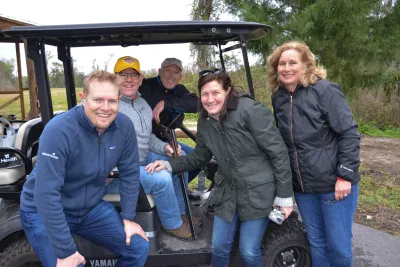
[193,195]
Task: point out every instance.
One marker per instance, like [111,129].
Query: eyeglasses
[206,72]
[125,75]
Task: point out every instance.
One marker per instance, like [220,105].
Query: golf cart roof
[125,34]
[140,33]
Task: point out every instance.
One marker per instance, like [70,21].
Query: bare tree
[107,61]
[204,10]
[95,66]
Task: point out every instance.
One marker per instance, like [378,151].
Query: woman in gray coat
[253,166]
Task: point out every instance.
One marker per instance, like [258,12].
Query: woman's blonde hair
[312,72]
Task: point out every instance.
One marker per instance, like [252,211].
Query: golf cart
[283,245]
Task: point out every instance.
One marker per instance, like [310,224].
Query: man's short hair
[99,76]
[172,61]
[127,62]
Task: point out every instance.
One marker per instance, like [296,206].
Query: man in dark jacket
[165,93]
[63,194]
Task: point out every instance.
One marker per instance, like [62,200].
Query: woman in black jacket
[322,137]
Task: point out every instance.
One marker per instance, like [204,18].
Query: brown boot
[183,232]
[197,222]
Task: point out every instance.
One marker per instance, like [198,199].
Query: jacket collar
[162,86]
[298,87]
[129,100]
[233,99]
[87,125]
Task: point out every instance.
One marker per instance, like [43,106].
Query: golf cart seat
[12,167]
[145,201]
[20,164]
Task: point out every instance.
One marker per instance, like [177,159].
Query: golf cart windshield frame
[64,37]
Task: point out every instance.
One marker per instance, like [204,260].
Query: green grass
[187,141]
[379,197]
[58,96]
[14,107]
[190,142]
[379,192]
[191,117]
[370,129]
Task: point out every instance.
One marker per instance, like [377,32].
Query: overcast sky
[46,12]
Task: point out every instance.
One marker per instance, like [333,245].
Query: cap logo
[129,60]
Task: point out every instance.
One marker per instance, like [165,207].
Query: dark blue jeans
[329,227]
[102,225]
[251,235]
[165,189]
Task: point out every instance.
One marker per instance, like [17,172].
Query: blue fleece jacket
[73,163]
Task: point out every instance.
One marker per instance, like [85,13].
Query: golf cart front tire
[282,245]
[19,254]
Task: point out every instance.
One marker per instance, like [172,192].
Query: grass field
[58,96]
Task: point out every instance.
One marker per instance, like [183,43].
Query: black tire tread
[275,234]
[16,249]
[291,233]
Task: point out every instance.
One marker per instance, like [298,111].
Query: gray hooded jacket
[141,115]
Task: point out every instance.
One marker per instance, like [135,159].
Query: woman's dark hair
[222,78]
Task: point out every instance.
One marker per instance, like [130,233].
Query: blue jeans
[329,227]
[251,235]
[165,190]
[102,225]
[188,150]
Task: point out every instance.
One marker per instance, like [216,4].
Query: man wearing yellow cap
[164,188]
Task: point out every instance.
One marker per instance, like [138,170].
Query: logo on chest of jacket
[112,147]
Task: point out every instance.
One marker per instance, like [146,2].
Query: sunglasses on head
[206,72]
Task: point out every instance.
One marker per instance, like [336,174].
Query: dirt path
[381,155]
[380,159]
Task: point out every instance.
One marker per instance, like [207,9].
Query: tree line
[358,41]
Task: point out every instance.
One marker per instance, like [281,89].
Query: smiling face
[130,81]
[101,104]
[213,97]
[290,68]
[170,76]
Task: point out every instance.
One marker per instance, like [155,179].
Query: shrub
[372,107]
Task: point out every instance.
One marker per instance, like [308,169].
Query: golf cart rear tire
[286,245]
[290,238]
[19,254]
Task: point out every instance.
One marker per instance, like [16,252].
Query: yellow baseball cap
[127,63]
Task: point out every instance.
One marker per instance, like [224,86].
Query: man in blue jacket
[63,194]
